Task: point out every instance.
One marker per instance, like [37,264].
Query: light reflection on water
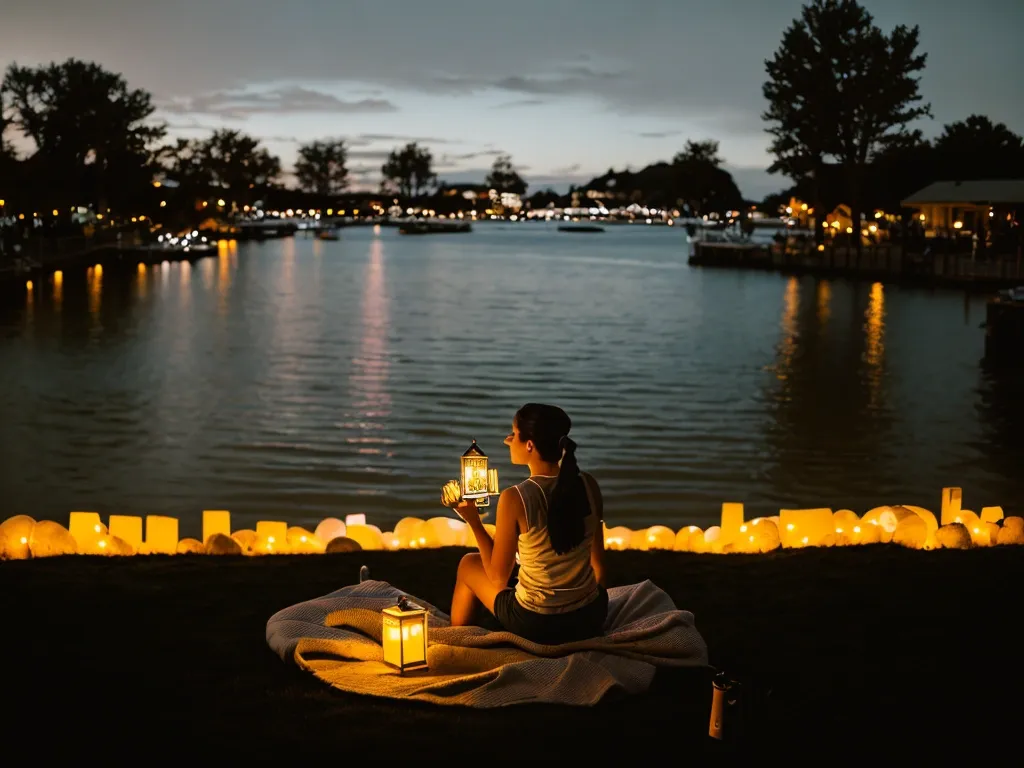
[301,378]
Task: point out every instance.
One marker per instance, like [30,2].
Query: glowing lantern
[732,519]
[191,547]
[953,536]
[911,532]
[161,535]
[216,521]
[1011,532]
[762,536]
[843,522]
[866,533]
[359,519]
[660,537]
[928,517]
[115,546]
[391,541]
[991,514]
[473,476]
[271,537]
[404,636]
[86,528]
[444,530]
[951,500]
[15,537]
[219,544]
[638,540]
[408,529]
[713,539]
[810,524]
[617,538]
[366,536]
[128,529]
[246,540]
[49,539]
[984,534]
[968,518]
[688,537]
[329,528]
[302,542]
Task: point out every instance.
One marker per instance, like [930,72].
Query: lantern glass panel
[474,473]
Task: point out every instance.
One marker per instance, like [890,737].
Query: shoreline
[862,647]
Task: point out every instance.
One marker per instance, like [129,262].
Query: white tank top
[549,582]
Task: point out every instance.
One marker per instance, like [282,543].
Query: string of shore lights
[22,537]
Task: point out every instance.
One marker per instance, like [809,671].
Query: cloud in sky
[238,105]
[597,84]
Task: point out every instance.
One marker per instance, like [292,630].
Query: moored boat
[433,226]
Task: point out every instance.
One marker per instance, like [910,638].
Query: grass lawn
[141,660]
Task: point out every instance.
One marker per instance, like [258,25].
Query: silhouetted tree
[408,170]
[702,152]
[698,182]
[543,198]
[838,86]
[977,148]
[89,128]
[504,178]
[321,167]
[236,162]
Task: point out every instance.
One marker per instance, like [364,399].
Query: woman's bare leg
[471,586]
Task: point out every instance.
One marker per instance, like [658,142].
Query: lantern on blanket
[405,636]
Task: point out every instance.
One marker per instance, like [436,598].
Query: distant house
[468,191]
[968,206]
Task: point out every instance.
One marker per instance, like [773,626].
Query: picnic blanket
[337,637]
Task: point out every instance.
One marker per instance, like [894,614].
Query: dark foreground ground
[874,651]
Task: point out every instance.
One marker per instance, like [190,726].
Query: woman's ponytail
[569,505]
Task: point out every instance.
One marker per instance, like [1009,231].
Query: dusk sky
[568,88]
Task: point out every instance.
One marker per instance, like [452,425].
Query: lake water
[298,379]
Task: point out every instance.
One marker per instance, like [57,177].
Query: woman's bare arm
[597,549]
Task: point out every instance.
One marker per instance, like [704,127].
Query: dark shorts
[544,628]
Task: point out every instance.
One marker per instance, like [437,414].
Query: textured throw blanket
[338,638]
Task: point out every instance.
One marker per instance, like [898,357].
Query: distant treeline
[841,94]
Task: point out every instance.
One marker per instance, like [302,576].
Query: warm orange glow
[163,203]
[856,529]
[56,212]
[849,230]
[28,285]
[221,203]
[958,225]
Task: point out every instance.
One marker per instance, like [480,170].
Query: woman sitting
[553,520]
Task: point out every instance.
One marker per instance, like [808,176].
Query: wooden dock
[1004,332]
[878,262]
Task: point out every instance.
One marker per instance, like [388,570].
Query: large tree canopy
[408,170]
[838,87]
[321,167]
[91,132]
[504,178]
